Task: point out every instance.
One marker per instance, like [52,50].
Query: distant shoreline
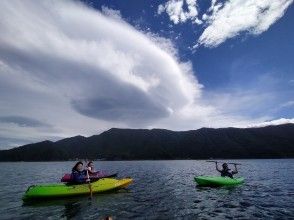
[285,158]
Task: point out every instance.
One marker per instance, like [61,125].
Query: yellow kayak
[66,190]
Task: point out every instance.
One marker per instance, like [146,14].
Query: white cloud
[177,13]
[222,21]
[214,6]
[237,16]
[163,43]
[111,12]
[272,123]
[286,105]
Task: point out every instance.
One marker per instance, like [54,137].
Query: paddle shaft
[214,161]
[90,186]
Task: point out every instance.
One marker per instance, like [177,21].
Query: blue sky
[69,68]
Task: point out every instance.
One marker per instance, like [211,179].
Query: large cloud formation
[69,65]
[116,72]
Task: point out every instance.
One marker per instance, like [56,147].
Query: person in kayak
[90,167]
[226,171]
[78,174]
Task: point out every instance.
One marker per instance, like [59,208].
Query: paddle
[214,161]
[89,182]
[96,179]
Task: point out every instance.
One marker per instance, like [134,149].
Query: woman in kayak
[90,167]
[78,174]
[226,171]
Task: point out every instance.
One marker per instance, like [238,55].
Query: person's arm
[87,176]
[216,167]
[90,171]
[236,170]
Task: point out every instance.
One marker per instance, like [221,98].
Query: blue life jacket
[79,176]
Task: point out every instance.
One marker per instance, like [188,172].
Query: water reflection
[71,209]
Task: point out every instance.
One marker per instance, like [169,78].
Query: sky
[81,67]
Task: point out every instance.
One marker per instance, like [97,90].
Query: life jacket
[78,176]
[226,172]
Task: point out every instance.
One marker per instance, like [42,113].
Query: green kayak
[66,190]
[217,181]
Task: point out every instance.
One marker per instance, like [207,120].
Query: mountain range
[140,144]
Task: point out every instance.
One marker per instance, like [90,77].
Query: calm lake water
[161,190]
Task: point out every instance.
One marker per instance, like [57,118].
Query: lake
[161,190]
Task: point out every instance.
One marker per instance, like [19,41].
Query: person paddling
[226,171]
[79,175]
[90,168]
